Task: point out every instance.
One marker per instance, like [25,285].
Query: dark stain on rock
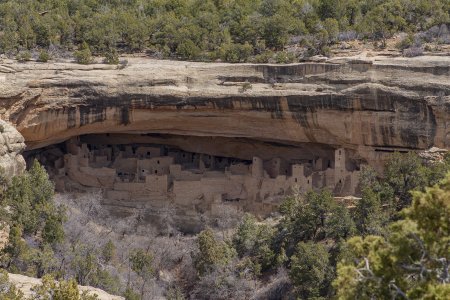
[373,133]
[302,106]
[409,120]
[124,116]
[92,114]
[71,117]
[289,73]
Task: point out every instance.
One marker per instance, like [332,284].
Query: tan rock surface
[11,146]
[364,104]
[25,283]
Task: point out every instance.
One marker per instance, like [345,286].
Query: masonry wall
[141,173]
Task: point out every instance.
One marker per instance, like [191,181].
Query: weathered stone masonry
[157,173]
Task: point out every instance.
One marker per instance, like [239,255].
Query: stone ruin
[194,182]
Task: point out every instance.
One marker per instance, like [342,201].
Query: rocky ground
[25,284]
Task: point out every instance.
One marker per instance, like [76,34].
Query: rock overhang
[363,104]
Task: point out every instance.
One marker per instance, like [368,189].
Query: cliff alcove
[196,175]
[315,122]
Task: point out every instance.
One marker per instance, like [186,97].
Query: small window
[158,162]
[296,180]
[142,170]
[148,153]
[156,171]
[339,152]
[308,181]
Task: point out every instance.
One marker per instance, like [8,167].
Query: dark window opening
[296,180]
[156,172]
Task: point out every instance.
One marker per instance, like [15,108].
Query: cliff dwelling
[158,132]
[196,174]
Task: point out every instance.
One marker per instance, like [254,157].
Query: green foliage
[254,240]
[314,216]
[24,56]
[406,42]
[310,271]
[190,29]
[175,293]
[188,50]
[211,252]
[111,57]
[108,251]
[141,262]
[30,197]
[106,281]
[44,56]
[369,215]
[53,232]
[404,173]
[284,57]
[131,295]
[83,55]
[235,52]
[61,290]
[339,224]
[332,28]
[32,211]
[246,86]
[411,262]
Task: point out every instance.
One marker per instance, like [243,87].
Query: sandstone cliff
[371,105]
[11,146]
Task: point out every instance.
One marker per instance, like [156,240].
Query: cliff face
[371,106]
[11,146]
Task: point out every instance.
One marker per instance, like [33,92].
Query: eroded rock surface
[381,104]
[11,146]
[301,115]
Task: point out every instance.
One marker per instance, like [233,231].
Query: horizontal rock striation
[370,106]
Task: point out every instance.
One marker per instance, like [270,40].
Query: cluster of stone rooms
[154,173]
